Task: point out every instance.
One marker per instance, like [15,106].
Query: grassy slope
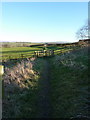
[70,85]
[22,103]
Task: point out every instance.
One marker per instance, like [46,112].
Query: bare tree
[84,32]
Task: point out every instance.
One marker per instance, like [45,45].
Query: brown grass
[20,76]
[20,88]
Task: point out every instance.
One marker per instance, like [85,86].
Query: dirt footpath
[44,104]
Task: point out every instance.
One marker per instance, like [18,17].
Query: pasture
[28,52]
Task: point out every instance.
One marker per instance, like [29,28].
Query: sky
[42,21]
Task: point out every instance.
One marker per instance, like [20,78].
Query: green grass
[26,52]
[17,51]
[69,83]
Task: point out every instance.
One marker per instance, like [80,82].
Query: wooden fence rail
[35,54]
[44,53]
[6,57]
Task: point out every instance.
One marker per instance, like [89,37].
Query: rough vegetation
[70,85]
[20,89]
[65,76]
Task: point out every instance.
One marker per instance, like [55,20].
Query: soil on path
[44,104]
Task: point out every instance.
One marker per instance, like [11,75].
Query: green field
[16,52]
[26,52]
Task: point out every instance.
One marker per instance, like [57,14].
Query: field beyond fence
[28,52]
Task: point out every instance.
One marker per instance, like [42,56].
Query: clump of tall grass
[22,75]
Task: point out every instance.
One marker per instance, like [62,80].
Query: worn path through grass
[44,103]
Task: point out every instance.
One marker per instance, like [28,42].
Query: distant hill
[84,42]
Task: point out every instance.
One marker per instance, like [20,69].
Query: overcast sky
[42,21]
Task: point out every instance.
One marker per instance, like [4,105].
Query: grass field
[16,52]
[26,52]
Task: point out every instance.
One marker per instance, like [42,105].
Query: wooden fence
[42,53]
[8,57]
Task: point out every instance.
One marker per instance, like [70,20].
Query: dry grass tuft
[22,75]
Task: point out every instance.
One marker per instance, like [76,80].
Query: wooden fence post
[49,52]
[52,52]
[35,53]
[45,52]
[1,81]
[21,55]
[9,57]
